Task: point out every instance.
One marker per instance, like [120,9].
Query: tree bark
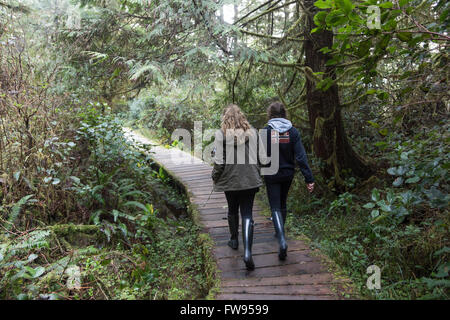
[330,141]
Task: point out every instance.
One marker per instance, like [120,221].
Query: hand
[310,187]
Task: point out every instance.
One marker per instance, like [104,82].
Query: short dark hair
[276,110]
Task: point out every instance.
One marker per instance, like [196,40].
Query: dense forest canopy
[366,83]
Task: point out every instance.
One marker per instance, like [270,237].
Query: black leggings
[277,193]
[242,199]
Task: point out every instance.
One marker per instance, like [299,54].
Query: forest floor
[127,235]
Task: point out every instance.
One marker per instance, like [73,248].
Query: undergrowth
[397,220]
[120,241]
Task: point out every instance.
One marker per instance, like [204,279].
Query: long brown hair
[234,119]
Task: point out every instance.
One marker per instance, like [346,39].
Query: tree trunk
[329,138]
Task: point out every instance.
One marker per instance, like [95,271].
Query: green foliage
[153,257]
[439,281]
[162,110]
[164,65]
[342,204]
[380,49]
[16,209]
[115,188]
[402,228]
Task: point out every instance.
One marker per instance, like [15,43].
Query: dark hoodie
[291,151]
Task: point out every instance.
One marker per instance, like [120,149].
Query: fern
[138,71]
[35,239]
[16,209]
[96,57]
[137,204]
[15,7]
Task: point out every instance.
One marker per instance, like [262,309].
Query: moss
[210,266]
[331,161]
[68,229]
[51,278]
[78,235]
[309,73]
[206,243]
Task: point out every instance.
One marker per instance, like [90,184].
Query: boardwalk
[302,276]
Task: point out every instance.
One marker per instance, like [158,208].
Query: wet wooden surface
[302,276]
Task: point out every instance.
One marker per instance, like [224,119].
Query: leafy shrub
[402,227]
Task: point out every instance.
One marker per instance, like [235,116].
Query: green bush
[401,225]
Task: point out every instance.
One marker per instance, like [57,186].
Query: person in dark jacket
[237,173]
[282,134]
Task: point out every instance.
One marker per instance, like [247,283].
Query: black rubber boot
[278,223]
[233,224]
[247,236]
[284,215]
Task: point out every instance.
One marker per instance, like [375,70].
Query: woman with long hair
[291,152]
[237,173]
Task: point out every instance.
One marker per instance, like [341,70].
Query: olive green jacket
[232,176]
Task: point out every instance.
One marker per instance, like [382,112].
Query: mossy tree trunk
[330,141]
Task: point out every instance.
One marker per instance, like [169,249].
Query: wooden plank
[205,183]
[174,166]
[319,278]
[307,289]
[223,234]
[192,167]
[176,160]
[235,296]
[214,216]
[205,211]
[223,212]
[277,271]
[215,206]
[224,223]
[214,195]
[204,202]
[223,216]
[195,173]
[256,240]
[258,248]
[220,200]
[201,191]
[195,178]
[264,260]
[259,229]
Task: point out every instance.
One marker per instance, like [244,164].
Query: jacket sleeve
[217,171]
[260,150]
[302,159]
[218,168]
[263,148]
